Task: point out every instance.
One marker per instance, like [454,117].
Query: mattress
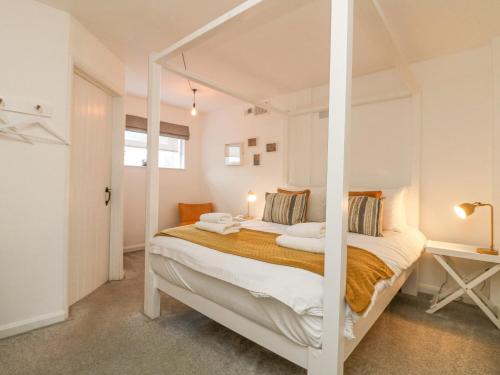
[302,329]
[285,299]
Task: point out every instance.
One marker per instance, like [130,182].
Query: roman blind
[167,129]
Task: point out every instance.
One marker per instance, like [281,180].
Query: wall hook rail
[38,113]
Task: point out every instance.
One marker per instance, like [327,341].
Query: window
[170,155]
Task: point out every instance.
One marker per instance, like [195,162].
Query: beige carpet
[107,334]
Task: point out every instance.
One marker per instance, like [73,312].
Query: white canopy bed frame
[335,348]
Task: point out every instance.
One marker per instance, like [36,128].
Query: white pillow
[394,215]
[394,211]
[316,207]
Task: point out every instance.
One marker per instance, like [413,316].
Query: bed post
[151,293]
[412,284]
[330,360]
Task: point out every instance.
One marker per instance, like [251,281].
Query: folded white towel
[307,230]
[313,245]
[232,227]
[216,217]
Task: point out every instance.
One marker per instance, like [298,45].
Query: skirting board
[427,288]
[132,248]
[433,289]
[26,325]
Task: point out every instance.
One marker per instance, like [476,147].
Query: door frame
[115,271]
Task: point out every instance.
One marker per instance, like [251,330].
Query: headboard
[384,149]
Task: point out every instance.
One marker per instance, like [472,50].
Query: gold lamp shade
[465,209]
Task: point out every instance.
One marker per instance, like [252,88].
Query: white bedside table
[442,252]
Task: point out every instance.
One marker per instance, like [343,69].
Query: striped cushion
[370,193]
[286,209]
[365,215]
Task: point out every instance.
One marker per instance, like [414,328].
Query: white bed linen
[300,290]
[305,330]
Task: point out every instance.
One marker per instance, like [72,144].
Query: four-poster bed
[329,358]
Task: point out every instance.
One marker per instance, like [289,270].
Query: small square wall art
[271,147]
[252,142]
[256,159]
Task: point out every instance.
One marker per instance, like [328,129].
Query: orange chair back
[190,213]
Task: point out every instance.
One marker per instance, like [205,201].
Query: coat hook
[39,108]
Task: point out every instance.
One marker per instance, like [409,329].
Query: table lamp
[251,197]
[466,209]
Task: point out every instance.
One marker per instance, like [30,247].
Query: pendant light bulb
[194,111]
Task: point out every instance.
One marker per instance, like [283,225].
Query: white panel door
[90,175]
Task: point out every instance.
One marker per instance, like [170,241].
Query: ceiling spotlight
[194,111]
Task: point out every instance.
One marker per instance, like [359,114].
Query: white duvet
[299,289]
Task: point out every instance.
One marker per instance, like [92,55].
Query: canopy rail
[356,102]
[402,63]
[215,86]
[163,56]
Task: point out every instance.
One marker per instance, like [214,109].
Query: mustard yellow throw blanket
[364,269]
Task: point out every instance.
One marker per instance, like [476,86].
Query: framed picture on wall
[256,159]
[271,147]
[252,142]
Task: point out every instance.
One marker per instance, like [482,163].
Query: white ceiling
[278,49]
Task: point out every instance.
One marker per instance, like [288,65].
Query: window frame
[140,145]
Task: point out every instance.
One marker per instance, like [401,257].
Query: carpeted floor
[107,334]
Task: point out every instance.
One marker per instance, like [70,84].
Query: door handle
[107,191]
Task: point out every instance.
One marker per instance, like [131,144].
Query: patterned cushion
[307,192]
[365,215]
[286,191]
[286,209]
[371,193]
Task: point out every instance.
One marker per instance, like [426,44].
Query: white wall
[35,63]
[302,140]
[175,185]
[92,57]
[228,185]
[457,148]
[376,159]
[381,153]
[307,150]
[37,54]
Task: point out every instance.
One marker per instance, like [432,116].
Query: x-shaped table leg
[466,288]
